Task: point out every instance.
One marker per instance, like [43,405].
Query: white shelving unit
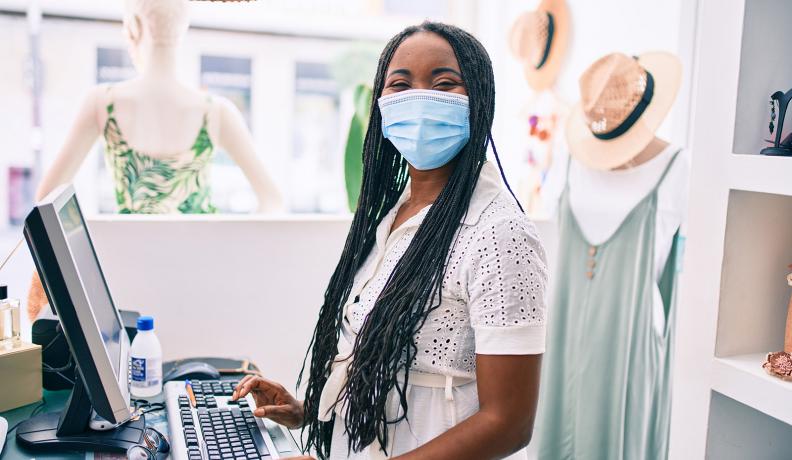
[742,378]
[733,297]
[767,174]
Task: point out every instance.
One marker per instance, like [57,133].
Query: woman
[429,341]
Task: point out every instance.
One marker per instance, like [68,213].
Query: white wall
[597,28]
[241,287]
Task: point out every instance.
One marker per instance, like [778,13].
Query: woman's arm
[236,139]
[508,390]
[81,137]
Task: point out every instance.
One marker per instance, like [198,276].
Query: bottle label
[146,372]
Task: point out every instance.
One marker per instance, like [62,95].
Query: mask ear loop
[503,175]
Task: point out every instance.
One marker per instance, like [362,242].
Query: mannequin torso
[161,118]
[158,115]
[161,122]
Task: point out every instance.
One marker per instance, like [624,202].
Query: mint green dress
[606,378]
[152,185]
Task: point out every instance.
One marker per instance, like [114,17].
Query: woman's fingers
[265,391]
[289,415]
[272,411]
[244,387]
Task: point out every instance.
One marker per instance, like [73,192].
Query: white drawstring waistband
[337,379]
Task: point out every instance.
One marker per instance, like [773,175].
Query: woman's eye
[399,84]
[446,83]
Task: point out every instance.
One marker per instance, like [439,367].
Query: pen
[188,387]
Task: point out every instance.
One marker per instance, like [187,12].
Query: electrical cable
[58,370]
[54,370]
[33,413]
[66,367]
[11,254]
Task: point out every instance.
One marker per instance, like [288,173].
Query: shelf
[743,379]
[759,173]
[754,293]
[765,38]
[737,432]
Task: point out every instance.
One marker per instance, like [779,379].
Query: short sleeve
[507,288]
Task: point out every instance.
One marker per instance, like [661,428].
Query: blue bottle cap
[145,323]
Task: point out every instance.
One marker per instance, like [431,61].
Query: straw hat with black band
[539,39]
[623,101]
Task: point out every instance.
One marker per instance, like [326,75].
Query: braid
[385,347]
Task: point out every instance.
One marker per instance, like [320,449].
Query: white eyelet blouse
[492,302]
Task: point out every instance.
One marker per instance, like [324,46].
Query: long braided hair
[385,348]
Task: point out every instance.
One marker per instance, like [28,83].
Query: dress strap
[566,175]
[109,106]
[667,169]
[209,101]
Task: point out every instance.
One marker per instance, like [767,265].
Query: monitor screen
[90,273]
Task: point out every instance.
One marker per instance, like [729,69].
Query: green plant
[353,154]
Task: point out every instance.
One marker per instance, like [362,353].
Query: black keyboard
[218,428]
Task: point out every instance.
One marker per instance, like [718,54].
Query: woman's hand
[272,401]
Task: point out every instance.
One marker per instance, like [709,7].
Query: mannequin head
[150,24]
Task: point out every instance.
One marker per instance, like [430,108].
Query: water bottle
[145,361]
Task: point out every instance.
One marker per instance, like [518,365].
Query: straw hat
[539,39]
[623,101]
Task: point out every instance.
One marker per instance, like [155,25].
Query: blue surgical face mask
[428,127]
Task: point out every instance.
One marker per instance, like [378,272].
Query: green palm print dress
[149,185]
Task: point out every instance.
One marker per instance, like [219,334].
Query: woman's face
[424,60]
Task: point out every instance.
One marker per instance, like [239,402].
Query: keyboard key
[261,446]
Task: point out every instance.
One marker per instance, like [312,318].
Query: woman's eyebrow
[400,71]
[440,70]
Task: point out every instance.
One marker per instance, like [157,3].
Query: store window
[20,196]
[113,65]
[417,8]
[316,183]
[229,77]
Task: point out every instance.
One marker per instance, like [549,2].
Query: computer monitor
[61,245]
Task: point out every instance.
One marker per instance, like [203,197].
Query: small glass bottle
[10,329]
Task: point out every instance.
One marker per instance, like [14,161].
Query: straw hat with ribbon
[623,101]
[539,39]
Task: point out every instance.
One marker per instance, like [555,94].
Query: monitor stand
[68,430]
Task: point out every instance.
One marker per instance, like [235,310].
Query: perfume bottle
[9,320]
